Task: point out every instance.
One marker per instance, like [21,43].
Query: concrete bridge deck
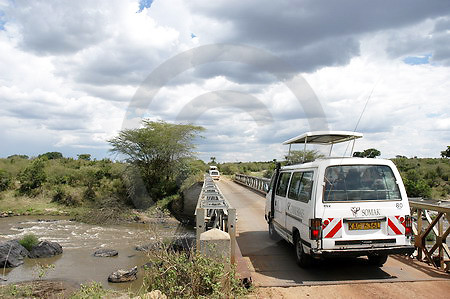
[274,263]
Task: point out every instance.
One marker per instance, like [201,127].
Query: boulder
[106,252]
[123,275]
[45,249]
[16,254]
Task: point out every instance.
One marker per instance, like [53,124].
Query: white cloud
[69,70]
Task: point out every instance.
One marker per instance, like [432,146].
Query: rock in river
[45,249]
[106,252]
[123,275]
[12,254]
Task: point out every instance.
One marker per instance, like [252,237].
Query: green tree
[5,180]
[86,157]
[301,156]
[51,155]
[18,157]
[158,150]
[368,153]
[33,176]
[446,153]
[213,160]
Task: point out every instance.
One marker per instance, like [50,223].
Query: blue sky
[414,60]
[67,85]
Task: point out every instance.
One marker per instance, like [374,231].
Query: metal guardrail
[214,211]
[437,214]
[256,183]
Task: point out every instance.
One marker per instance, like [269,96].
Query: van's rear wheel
[304,260]
[377,260]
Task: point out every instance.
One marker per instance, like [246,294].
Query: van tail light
[408,225]
[315,227]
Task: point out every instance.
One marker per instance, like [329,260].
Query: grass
[39,205]
[93,290]
[28,241]
[191,275]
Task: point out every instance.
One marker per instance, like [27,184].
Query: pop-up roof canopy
[324,137]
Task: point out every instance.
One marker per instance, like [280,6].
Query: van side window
[283,183]
[306,186]
[301,186]
[294,187]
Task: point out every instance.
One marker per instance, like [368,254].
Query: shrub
[28,241]
[191,275]
[32,177]
[418,188]
[5,180]
[63,195]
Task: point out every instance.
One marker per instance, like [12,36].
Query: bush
[418,188]
[191,275]
[32,177]
[62,195]
[5,180]
[28,241]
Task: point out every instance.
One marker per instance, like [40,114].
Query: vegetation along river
[79,241]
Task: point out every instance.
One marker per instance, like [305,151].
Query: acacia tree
[158,151]
[446,153]
[368,153]
[302,156]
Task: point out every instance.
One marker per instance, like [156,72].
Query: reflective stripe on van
[332,228]
[396,225]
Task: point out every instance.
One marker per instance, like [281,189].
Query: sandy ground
[418,289]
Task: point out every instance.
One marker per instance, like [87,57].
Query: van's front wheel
[303,259]
[377,260]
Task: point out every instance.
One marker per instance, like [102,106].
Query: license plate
[364,225]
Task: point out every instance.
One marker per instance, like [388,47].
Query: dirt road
[273,264]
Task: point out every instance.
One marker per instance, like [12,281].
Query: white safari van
[339,206]
[214,172]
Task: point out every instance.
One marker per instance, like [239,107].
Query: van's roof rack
[325,138]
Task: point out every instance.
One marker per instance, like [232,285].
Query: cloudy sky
[253,73]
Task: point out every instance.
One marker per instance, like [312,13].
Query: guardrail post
[200,225]
[232,231]
[419,241]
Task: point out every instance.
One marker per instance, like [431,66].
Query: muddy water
[79,241]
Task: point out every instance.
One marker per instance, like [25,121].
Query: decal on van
[396,225]
[332,228]
[355,211]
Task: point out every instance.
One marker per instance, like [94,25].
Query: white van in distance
[339,206]
[214,172]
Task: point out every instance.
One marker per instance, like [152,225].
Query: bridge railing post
[232,232]
[199,225]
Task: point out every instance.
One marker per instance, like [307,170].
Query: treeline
[425,177]
[422,177]
[65,180]
[74,182]
[158,162]
[261,169]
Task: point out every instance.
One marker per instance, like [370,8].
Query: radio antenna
[361,115]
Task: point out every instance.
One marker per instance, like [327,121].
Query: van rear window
[360,183]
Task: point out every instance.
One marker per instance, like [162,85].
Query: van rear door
[363,206]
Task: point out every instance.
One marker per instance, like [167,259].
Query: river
[79,241]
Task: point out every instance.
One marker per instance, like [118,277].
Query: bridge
[273,263]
